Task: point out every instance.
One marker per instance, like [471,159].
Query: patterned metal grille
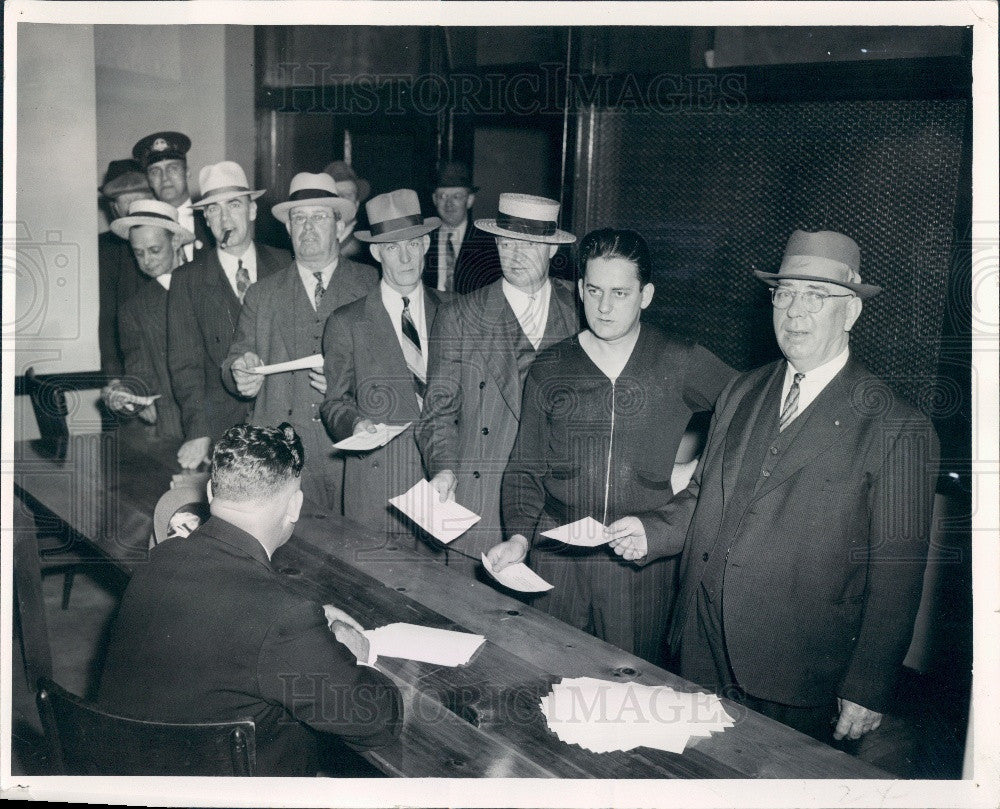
[718,195]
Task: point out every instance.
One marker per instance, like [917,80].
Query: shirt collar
[309,276]
[521,298]
[416,297]
[231,263]
[822,374]
[164,280]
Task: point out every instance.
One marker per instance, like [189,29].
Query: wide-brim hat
[314,189]
[151,212]
[124,177]
[342,172]
[395,217]
[192,495]
[454,174]
[161,146]
[221,181]
[529,218]
[826,256]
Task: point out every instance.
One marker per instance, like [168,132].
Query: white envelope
[445,521]
[518,577]
[587,533]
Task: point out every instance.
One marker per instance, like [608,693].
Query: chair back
[48,401]
[84,740]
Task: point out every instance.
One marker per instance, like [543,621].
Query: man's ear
[854,306]
[376,252]
[253,210]
[579,288]
[553,249]
[647,295]
[288,226]
[469,202]
[208,490]
[341,227]
[294,507]
[427,242]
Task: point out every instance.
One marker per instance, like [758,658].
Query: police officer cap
[161,146]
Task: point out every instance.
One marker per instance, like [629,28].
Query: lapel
[741,425]
[380,338]
[562,321]
[284,306]
[431,302]
[829,419]
[220,291]
[501,323]
[345,286]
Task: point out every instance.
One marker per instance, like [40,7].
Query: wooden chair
[84,740]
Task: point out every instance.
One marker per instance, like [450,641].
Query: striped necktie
[791,407]
[412,353]
[318,292]
[242,280]
[449,261]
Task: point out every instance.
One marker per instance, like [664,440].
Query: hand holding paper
[366,441]
[518,577]
[444,521]
[587,533]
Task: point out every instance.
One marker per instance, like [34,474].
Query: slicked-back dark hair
[250,462]
[617,243]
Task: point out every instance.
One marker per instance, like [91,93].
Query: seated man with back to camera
[207,631]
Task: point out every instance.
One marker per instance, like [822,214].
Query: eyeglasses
[318,218]
[782,297]
[454,196]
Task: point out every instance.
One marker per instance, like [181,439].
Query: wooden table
[477,720]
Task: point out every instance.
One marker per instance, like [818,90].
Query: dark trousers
[703,660]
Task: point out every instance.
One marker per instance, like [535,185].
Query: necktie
[318,292]
[242,280]
[412,353]
[449,261]
[791,406]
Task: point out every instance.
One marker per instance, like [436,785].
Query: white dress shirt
[456,235]
[532,311]
[309,279]
[812,384]
[393,303]
[230,264]
[164,280]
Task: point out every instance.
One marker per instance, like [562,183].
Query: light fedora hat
[395,217]
[314,189]
[825,256]
[151,212]
[221,181]
[523,216]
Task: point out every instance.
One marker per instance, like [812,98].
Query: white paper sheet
[363,442]
[423,643]
[445,521]
[588,533]
[315,361]
[135,399]
[518,577]
[603,715]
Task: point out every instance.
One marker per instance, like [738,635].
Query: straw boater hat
[532,219]
[314,189]
[151,212]
[342,172]
[221,181]
[825,256]
[124,177]
[395,217]
[188,497]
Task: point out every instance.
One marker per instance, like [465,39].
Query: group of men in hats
[801,535]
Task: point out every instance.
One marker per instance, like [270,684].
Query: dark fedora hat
[123,177]
[454,174]
[342,172]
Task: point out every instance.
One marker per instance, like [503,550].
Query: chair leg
[67,587]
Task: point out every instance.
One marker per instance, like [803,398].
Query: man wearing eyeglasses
[282,319]
[807,520]
[461,257]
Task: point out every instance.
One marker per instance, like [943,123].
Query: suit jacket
[473,403]
[208,632]
[267,326]
[119,277]
[824,569]
[477,263]
[367,377]
[142,324]
[202,311]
